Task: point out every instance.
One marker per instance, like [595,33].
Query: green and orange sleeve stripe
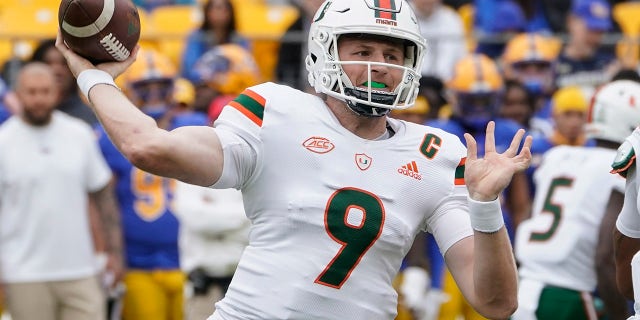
[459,175]
[251,105]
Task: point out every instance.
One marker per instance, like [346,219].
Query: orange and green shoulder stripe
[625,158]
[459,175]
[251,105]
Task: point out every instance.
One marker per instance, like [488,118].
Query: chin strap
[365,109]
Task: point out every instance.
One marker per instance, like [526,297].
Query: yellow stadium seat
[467,12]
[170,27]
[23,26]
[264,25]
[627,15]
[46,3]
[148,38]
[33,22]
[6,51]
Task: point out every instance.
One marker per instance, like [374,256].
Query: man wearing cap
[569,107]
[583,60]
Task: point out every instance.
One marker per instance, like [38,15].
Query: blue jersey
[150,228]
[4,113]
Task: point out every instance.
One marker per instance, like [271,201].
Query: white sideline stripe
[109,6]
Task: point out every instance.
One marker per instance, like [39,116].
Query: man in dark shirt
[583,60]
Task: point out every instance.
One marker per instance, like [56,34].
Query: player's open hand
[486,177]
[78,64]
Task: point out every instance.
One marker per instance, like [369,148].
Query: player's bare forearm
[495,274]
[624,249]
[190,154]
[614,302]
[485,271]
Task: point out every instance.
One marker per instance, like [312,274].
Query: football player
[335,189]
[530,59]
[627,227]
[565,247]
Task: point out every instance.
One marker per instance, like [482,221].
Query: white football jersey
[628,222]
[557,244]
[332,214]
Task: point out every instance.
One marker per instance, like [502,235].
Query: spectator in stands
[530,58]
[509,21]
[218,27]
[70,101]
[290,68]
[517,104]
[433,89]
[569,111]
[486,12]
[583,60]
[442,28]
[47,261]
[149,5]
[154,281]
[556,12]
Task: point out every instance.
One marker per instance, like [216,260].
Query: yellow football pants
[457,305]
[157,295]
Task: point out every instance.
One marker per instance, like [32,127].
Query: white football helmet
[390,18]
[615,111]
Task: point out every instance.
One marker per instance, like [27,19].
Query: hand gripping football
[100,30]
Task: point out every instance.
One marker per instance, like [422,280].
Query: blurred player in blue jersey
[530,58]
[154,282]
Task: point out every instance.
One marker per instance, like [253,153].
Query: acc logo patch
[318,145]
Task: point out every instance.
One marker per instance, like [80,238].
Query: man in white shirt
[442,27]
[49,165]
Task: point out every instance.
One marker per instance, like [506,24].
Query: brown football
[100,30]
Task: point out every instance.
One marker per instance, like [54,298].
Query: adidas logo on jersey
[410,170]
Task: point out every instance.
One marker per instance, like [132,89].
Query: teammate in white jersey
[627,231]
[336,190]
[565,248]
